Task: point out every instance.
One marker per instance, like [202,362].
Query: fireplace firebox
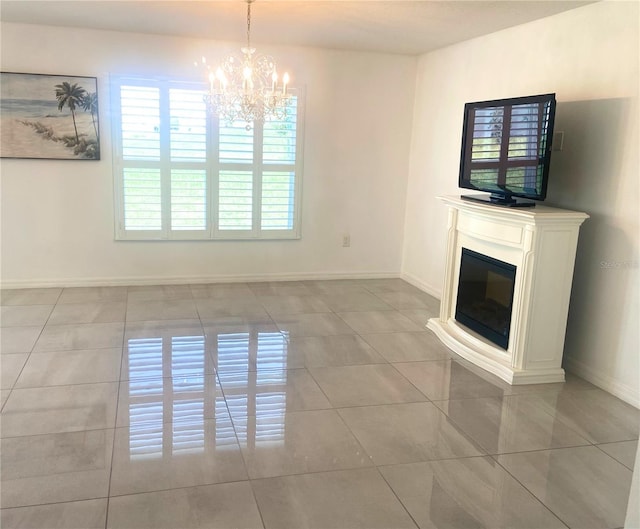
[485,296]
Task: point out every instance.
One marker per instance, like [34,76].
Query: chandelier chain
[249,23]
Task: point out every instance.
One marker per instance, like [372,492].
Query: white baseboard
[429,289]
[624,392]
[183,280]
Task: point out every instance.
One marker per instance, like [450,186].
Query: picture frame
[52,117]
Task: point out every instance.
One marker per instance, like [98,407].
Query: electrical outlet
[346,240]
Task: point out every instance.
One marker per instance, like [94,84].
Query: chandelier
[247,88]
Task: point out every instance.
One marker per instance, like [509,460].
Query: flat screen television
[506,149]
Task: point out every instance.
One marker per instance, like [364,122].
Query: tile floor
[322,404]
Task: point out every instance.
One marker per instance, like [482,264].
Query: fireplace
[506,288]
[485,296]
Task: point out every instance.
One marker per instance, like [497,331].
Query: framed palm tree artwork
[49,117]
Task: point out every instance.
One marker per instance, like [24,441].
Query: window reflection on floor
[166,413]
[170,394]
[256,398]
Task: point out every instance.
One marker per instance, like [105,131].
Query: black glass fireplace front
[485,296]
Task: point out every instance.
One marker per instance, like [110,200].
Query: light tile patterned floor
[312,404]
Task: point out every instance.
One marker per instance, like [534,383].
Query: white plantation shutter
[278,200]
[279,138]
[278,180]
[188,199]
[188,126]
[180,174]
[236,143]
[187,121]
[235,209]
[142,199]
[140,110]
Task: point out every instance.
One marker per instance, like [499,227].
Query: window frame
[212,166]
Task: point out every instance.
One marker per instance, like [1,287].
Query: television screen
[506,147]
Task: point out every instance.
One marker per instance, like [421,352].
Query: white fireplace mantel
[541,242]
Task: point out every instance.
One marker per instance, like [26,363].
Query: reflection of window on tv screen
[505,146]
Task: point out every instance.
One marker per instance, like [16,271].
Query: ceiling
[391,26]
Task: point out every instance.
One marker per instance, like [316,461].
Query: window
[182,174]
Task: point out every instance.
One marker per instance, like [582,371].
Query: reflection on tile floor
[294,404]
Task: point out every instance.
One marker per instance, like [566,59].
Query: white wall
[57,216]
[589,58]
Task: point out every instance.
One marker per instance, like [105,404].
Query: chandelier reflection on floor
[247,88]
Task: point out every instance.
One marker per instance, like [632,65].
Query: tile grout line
[13,386]
[396,496]
[53,503]
[115,418]
[566,524]
[233,425]
[598,446]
